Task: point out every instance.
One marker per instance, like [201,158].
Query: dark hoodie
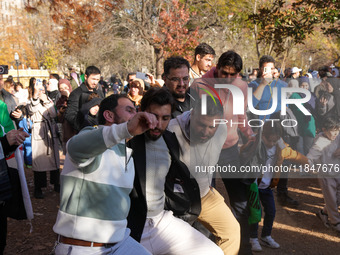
[87,118]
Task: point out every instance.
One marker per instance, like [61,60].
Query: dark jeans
[237,192]
[40,178]
[268,203]
[282,186]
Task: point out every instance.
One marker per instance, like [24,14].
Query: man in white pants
[163,188]
[96,182]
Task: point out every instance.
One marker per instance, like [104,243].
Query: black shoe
[286,200]
[38,193]
[57,188]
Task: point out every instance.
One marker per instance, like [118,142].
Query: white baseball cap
[295,69]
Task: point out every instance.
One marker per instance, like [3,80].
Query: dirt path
[298,231]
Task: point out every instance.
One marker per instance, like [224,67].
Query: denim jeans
[268,203]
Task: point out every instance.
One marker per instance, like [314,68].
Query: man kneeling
[163,188]
[96,182]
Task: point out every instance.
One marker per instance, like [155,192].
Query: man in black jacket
[163,188]
[80,95]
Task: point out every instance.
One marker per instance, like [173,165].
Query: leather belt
[72,241]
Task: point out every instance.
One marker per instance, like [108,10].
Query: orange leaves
[76,19]
[175,37]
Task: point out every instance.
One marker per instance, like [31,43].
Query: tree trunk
[159,52]
[255,34]
[288,46]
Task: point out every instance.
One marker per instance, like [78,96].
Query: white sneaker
[255,245]
[269,242]
[323,217]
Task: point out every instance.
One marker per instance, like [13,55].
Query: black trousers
[40,178]
[3,229]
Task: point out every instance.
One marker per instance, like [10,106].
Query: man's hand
[62,109]
[276,73]
[266,78]
[43,97]
[16,114]
[251,138]
[323,101]
[141,122]
[37,90]
[16,137]
[150,79]
[329,87]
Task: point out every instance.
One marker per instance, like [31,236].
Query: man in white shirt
[204,56]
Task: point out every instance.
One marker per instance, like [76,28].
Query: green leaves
[278,22]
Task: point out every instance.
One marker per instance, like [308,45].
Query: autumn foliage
[14,38]
[75,18]
[174,36]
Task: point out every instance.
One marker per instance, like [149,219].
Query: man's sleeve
[91,142]
[72,110]
[314,153]
[289,154]
[7,149]
[5,120]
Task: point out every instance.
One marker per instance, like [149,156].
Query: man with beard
[227,71]
[80,95]
[201,143]
[176,79]
[163,188]
[96,182]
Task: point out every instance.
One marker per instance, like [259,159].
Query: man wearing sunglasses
[227,71]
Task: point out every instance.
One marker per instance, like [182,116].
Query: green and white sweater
[95,185]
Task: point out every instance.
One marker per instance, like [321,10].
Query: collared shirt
[193,74]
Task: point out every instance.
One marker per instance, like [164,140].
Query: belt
[72,241]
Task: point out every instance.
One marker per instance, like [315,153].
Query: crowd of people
[130,184]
